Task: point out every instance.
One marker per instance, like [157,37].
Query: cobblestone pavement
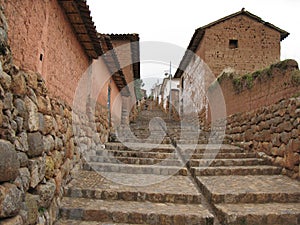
[135,183]
[143,182]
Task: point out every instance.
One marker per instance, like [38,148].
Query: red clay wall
[269,87]
[101,80]
[123,50]
[258,46]
[41,27]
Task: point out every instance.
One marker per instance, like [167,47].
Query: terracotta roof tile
[80,18]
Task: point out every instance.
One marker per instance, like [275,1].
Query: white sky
[174,21]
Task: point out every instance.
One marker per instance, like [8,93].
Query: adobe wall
[102,79]
[262,88]
[123,50]
[41,140]
[258,46]
[43,28]
[263,113]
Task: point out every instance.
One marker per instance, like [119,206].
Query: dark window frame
[233,44]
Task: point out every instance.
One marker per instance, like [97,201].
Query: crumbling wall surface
[258,89]
[273,130]
[38,148]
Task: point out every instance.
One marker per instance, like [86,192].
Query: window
[41,57]
[233,44]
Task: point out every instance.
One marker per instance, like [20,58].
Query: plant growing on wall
[138,84]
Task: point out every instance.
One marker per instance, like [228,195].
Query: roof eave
[79,16]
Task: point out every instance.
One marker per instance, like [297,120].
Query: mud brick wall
[258,89]
[273,130]
[40,142]
[41,29]
[258,46]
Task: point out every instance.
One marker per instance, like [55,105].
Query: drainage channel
[186,163]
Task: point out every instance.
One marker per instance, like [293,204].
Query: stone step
[144,147]
[236,170]
[193,141]
[254,214]
[145,141]
[220,156]
[137,154]
[250,189]
[134,212]
[227,162]
[134,160]
[136,169]
[144,187]
[214,148]
[77,222]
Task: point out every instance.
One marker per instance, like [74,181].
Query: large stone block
[23,180]
[44,104]
[10,201]
[58,158]
[9,163]
[46,124]
[32,80]
[21,107]
[33,116]
[49,143]
[23,159]
[46,193]
[36,144]
[5,80]
[37,168]
[19,84]
[8,101]
[22,142]
[31,202]
[50,167]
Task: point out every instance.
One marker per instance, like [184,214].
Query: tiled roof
[283,33]
[135,50]
[80,18]
[199,33]
[112,62]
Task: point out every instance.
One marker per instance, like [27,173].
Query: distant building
[155,93]
[165,92]
[59,40]
[122,56]
[242,42]
[144,93]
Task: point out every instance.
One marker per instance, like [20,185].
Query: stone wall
[40,142]
[258,45]
[273,130]
[263,113]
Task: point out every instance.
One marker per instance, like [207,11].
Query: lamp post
[170,91]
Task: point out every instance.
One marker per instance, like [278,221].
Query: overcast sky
[174,21]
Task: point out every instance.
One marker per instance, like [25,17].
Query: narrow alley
[140,181]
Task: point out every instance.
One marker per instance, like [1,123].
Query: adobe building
[241,42]
[56,38]
[59,40]
[127,50]
[124,68]
[165,93]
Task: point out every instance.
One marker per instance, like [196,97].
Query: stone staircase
[156,175]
